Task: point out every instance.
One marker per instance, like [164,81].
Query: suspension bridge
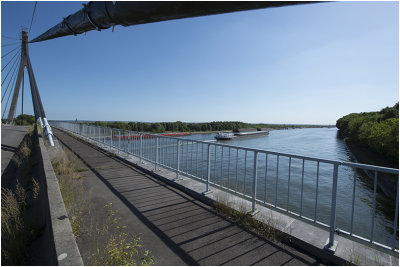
[190,166]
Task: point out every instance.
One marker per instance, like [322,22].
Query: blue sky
[308,64]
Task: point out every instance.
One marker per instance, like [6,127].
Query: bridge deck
[176,228]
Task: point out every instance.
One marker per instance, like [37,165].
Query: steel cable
[8,72]
[9,52]
[9,61]
[9,83]
[23,85]
[4,112]
[34,9]
[3,36]
[11,44]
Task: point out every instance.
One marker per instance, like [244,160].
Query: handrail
[343,163]
[169,152]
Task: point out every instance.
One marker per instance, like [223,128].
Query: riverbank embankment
[387,183]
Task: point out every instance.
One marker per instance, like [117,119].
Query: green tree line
[178,126]
[23,119]
[376,131]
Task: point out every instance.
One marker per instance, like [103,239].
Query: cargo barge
[137,136]
[251,133]
[241,133]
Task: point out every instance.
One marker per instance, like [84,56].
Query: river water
[313,142]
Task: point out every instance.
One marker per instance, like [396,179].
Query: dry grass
[111,244]
[265,226]
[71,187]
[12,229]
[17,231]
[36,188]
[120,248]
[67,165]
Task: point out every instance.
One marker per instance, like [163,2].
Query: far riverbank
[196,127]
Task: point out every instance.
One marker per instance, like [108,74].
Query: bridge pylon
[40,115]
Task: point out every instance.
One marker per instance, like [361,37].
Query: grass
[17,230]
[121,248]
[71,187]
[358,258]
[13,228]
[110,243]
[242,217]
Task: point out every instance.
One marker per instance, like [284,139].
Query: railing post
[395,225]
[119,142]
[374,206]
[177,159]
[254,192]
[208,170]
[331,244]
[156,164]
[111,138]
[141,149]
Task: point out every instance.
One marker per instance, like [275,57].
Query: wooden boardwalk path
[176,228]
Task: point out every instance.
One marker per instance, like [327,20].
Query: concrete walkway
[11,137]
[176,228]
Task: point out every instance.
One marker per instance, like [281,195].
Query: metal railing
[267,178]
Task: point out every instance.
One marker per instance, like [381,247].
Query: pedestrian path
[178,229]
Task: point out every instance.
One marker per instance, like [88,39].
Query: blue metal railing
[207,163]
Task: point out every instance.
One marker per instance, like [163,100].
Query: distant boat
[224,136]
[250,132]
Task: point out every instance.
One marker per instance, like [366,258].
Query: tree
[24,119]
[376,131]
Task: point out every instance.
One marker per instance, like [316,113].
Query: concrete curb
[66,249]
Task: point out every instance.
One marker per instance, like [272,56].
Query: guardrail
[228,168]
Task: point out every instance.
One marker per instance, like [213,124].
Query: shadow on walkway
[191,229]
[8,148]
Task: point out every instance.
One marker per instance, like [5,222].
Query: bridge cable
[34,9]
[11,44]
[12,76]
[10,61]
[9,52]
[3,36]
[9,83]
[4,112]
[23,82]
[8,72]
